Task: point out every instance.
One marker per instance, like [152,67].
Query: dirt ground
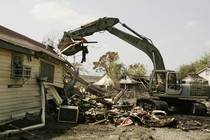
[66,131]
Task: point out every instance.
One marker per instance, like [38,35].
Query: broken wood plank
[98,122]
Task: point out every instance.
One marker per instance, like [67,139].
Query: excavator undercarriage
[183,106]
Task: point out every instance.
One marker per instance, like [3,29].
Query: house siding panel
[58,79]
[58,74]
[205,75]
[15,102]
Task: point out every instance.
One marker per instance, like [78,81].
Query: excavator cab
[164,82]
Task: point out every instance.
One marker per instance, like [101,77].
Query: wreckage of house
[25,63]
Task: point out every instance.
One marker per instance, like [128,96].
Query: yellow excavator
[164,89]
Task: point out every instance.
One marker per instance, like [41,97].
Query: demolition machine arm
[107,24]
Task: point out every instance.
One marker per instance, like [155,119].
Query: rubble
[192,125]
[97,109]
[102,110]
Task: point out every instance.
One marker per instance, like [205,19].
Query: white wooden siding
[205,74]
[15,102]
[58,76]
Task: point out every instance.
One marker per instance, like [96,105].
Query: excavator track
[149,104]
[182,106]
[191,107]
[185,106]
[198,109]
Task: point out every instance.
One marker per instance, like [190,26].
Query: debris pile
[192,125]
[92,105]
[101,110]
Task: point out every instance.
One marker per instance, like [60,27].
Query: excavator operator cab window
[159,82]
[172,81]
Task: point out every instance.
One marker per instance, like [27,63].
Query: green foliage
[106,62]
[109,64]
[137,69]
[195,66]
[186,69]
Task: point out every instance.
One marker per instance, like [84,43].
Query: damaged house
[26,68]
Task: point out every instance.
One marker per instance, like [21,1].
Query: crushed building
[26,67]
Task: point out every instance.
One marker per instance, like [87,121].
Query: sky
[180,29]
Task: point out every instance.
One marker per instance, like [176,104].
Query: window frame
[44,67]
[18,69]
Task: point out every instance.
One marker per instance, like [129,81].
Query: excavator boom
[107,24]
[88,29]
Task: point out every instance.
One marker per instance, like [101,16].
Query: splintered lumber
[119,95]
[98,122]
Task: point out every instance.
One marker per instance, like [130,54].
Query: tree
[136,69]
[51,39]
[205,59]
[186,69]
[195,66]
[109,64]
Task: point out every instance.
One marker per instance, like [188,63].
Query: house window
[47,70]
[19,70]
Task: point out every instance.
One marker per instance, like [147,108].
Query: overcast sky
[180,29]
